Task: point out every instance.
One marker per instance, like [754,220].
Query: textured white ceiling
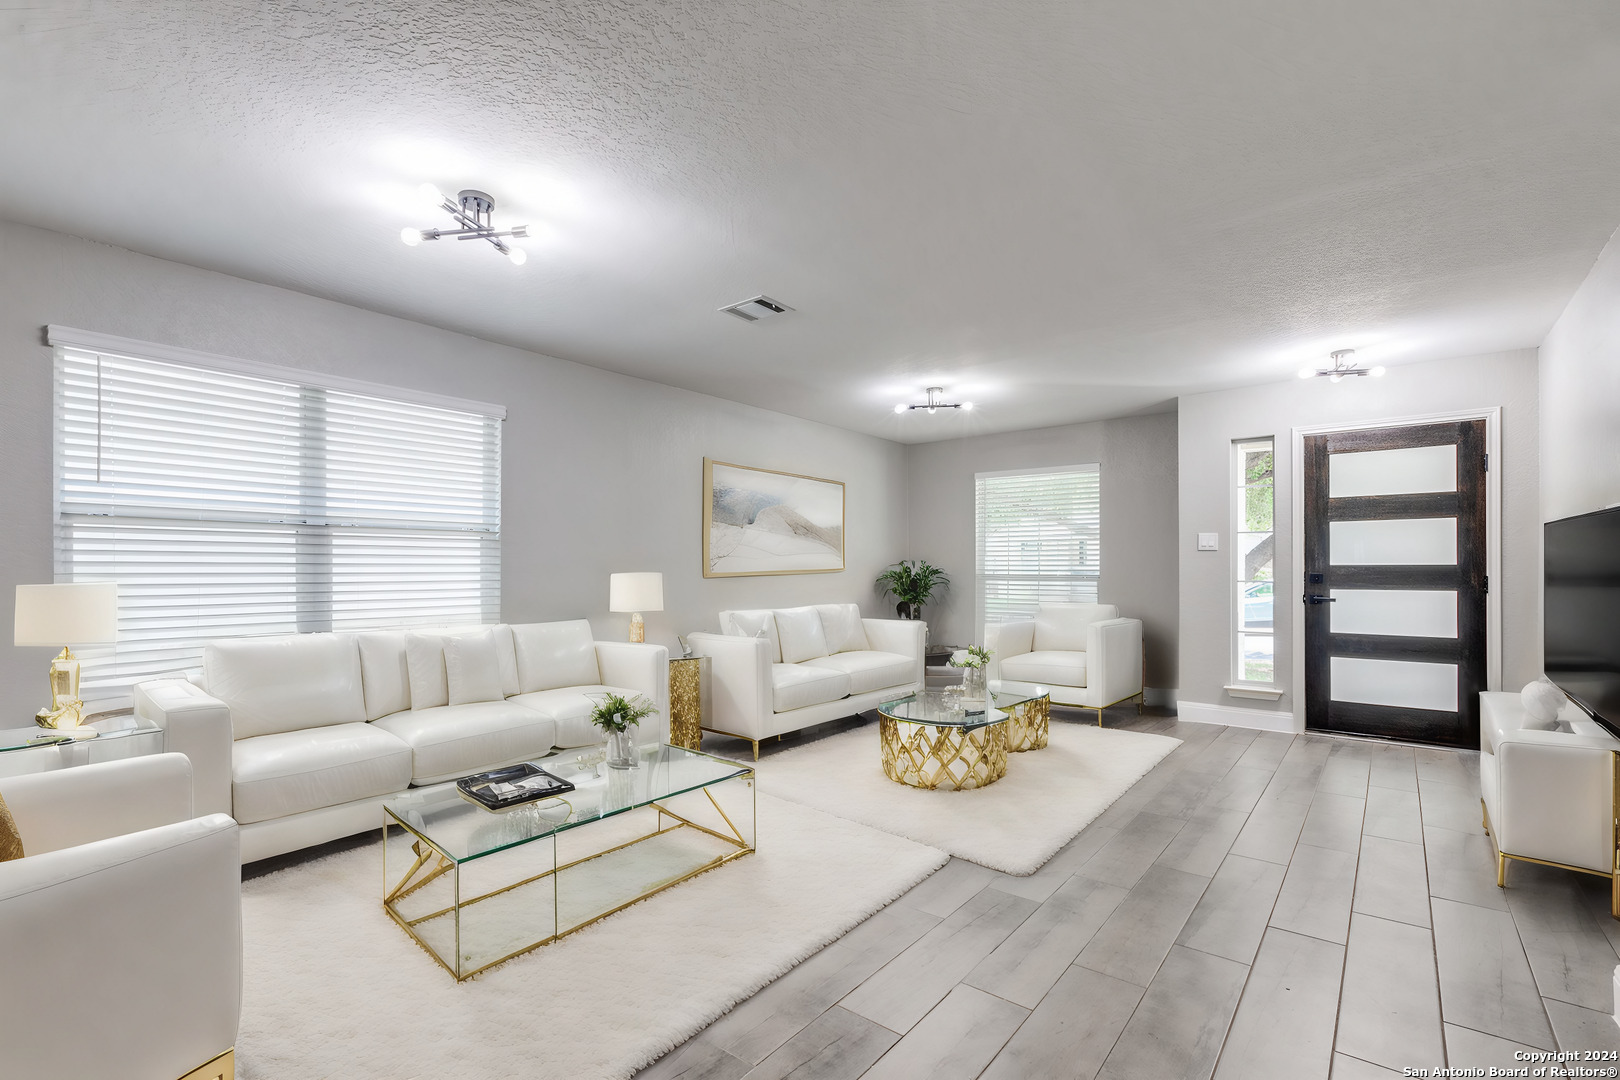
[1060,210]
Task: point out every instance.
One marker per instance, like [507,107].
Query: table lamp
[636,593]
[65,614]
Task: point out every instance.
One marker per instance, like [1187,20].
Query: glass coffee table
[475,888]
[926,743]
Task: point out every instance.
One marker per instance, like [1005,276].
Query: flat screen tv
[1582,612]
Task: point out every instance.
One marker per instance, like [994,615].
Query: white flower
[959,658]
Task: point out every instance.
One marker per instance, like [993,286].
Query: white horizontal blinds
[227,504]
[1039,538]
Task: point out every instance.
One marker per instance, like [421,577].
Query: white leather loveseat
[301,737]
[1548,795]
[783,669]
[1084,654]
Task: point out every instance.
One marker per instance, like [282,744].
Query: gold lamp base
[66,711]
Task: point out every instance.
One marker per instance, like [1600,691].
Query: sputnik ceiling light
[933,404]
[473,211]
[1342,363]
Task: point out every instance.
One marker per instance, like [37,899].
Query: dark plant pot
[908,610]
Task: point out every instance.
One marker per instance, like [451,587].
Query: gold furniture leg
[221,1068]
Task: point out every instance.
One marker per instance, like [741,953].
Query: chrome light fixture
[1341,364]
[474,212]
[933,404]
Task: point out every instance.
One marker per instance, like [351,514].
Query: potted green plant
[912,582]
[616,714]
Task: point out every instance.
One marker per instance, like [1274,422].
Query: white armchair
[1548,795]
[125,912]
[1085,655]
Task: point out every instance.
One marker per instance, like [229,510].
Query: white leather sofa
[120,927]
[1548,795]
[1085,655]
[779,670]
[302,737]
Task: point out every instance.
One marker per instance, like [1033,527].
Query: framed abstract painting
[760,521]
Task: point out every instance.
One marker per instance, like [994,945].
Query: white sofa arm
[1553,797]
[907,637]
[1113,661]
[740,670]
[69,807]
[198,726]
[1006,639]
[142,932]
[644,669]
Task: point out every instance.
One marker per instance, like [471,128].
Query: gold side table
[688,700]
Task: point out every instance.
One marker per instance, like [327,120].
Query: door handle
[1311,598]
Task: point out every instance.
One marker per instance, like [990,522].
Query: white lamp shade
[636,592]
[66,614]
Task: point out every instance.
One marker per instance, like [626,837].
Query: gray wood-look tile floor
[1259,905]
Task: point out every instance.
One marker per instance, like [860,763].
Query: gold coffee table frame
[923,747]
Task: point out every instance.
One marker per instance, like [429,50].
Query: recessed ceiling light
[756,308]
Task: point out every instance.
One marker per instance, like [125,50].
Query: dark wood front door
[1394,582]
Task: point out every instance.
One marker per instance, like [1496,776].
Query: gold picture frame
[795,511]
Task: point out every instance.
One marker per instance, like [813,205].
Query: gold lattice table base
[686,702]
[931,756]
[1029,725]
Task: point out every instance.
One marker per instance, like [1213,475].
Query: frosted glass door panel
[1403,684]
[1392,472]
[1394,612]
[1393,542]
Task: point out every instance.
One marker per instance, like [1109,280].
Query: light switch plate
[1209,541]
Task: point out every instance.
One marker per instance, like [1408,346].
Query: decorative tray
[503,789]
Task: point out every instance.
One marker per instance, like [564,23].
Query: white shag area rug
[1014,825]
[332,988]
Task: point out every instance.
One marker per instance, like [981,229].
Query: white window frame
[1237,495]
[387,512]
[980,576]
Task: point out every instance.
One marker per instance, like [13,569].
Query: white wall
[602,472]
[1580,397]
[1210,422]
[1138,459]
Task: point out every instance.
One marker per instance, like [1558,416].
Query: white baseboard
[1196,712]
[1159,696]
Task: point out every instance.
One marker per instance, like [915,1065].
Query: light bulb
[967,406]
[1307,373]
[930,410]
[1377,371]
[900,409]
[517,255]
[1335,377]
[431,196]
[411,237]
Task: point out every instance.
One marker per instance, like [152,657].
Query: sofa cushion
[753,624]
[798,686]
[843,627]
[455,740]
[289,772]
[472,668]
[1058,668]
[286,683]
[506,653]
[424,664]
[555,654]
[870,670]
[799,630]
[384,671]
[1062,627]
[569,707]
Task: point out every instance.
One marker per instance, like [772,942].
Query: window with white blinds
[1039,538]
[226,503]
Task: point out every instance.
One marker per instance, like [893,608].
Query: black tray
[477,787]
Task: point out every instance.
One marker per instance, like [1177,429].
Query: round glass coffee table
[928,743]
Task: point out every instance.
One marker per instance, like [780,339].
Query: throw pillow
[424,662]
[752,624]
[472,668]
[800,632]
[1543,702]
[10,839]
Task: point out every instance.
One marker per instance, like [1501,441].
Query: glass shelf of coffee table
[475,888]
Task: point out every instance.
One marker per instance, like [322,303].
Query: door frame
[1493,535]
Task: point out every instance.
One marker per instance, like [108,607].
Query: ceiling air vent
[755,309]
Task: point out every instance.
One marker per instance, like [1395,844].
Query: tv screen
[1582,612]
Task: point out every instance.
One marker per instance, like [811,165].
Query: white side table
[28,749]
